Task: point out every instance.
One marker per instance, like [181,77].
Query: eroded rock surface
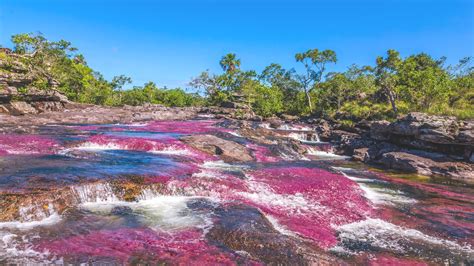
[229,151]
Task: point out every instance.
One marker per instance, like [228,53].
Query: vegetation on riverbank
[393,85]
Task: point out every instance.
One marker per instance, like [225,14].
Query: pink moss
[310,202]
[184,248]
[168,145]
[262,154]
[332,200]
[26,144]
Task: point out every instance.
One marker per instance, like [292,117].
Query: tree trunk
[391,98]
[308,97]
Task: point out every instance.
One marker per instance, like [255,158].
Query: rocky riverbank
[416,143]
[114,185]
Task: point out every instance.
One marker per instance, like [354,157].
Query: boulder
[380,130]
[245,228]
[413,163]
[48,106]
[290,118]
[361,154]
[20,108]
[323,128]
[228,150]
[430,128]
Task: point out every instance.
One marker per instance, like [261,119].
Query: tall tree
[386,76]
[315,63]
[230,62]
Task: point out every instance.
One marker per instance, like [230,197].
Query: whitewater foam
[387,236]
[262,193]
[172,151]
[326,155]
[17,250]
[163,213]
[280,228]
[307,138]
[94,193]
[50,220]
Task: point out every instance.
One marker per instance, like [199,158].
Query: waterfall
[306,137]
[98,192]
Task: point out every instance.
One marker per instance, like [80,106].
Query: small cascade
[289,127]
[95,193]
[35,212]
[325,153]
[306,137]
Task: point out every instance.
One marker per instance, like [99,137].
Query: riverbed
[136,193]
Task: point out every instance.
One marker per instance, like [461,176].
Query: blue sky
[169,42]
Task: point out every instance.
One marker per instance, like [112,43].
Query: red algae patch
[166,146]
[134,245]
[26,144]
[308,201]
[262,154]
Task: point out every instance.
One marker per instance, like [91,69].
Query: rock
[289,118]
[430,128]
[3,109]
[228,150]
[274,122]
[48,106]
[380,130]
[413,163]
[323,128]
[361,154]
[466,132]
[20,108]
[240,227]
[235,105]
[121,210]
[289,148]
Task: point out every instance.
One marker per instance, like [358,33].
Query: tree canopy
[393,85]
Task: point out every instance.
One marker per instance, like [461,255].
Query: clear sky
[171,41]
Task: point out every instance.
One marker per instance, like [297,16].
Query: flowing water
[124,194]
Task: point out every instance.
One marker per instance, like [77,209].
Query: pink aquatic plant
[167,145]
[314,201]
[307,201]
[26,144]
[262,154]
[127,245]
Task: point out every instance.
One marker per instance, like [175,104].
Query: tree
[423,81]
[315,62]
[230,63]
[386,76]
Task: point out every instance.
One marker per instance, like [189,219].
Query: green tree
[230,63]
[386,76]
[315,63]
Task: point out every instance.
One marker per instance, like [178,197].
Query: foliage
[59,63]
[394,85]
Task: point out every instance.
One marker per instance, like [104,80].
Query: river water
[125,194]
